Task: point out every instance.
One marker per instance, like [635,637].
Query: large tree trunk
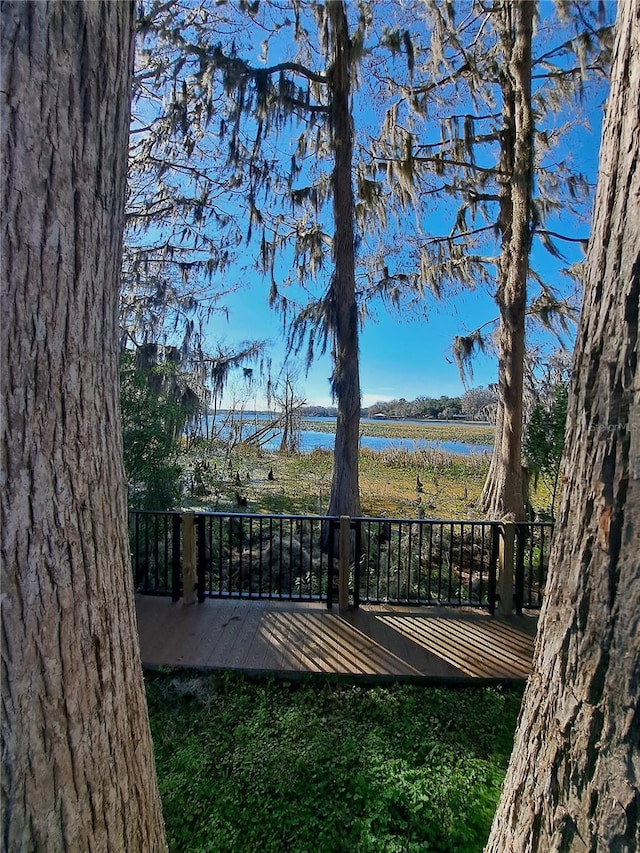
[503,494]
[345,495]
[77,763]
[573,780]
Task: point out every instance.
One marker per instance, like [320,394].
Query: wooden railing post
[188,559]
[343,562]
[505,568]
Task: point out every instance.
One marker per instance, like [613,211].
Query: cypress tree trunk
[345,496]
[77,762]
[503,494]
[573,780]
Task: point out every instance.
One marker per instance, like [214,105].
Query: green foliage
[422,407]
[149,440]
[271,766]
[544,439]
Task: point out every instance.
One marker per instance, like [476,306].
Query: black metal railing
[156,552]
[396,561]
[432,562]
[262,556]
[532,550]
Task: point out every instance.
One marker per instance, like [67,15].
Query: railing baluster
[379,554]
[250,568]
[357,564]
[240,552]
[220,555]
[520,540]
[482,553]
[299,582]
[280,555]
[493,568]
[203,555]
[398,564]
[232,542]
[290,558]
[330,566]
[419,587]
[212,555]
[460,563]
[430,564]
[176,574]
[440,542]
[530,572]
[471,550]
[270,556]
[409,558]
[312,569]
[450,574]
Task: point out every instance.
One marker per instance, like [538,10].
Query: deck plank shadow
[373,642]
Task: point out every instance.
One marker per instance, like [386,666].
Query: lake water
[315,440]
[311,440]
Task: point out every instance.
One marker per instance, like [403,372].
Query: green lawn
[316,766]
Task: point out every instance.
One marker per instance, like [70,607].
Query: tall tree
[345,494]
[77,761]
[504,173]
[503,493]
[182,225]
[309,91]
[572,783]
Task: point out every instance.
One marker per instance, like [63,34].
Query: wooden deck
[290,638]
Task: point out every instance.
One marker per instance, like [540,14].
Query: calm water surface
[314,440]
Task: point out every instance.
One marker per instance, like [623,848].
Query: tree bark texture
[573,783]
[345,495]
[77,763]
[503,493]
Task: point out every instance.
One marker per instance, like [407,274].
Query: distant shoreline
[393,419]
[403,430]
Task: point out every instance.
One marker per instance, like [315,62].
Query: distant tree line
[477,404]
[422,407]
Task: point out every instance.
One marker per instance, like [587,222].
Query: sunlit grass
[393,483]
[400,483]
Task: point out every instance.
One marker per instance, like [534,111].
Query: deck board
[374,641]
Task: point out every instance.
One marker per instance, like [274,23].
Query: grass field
[323,768]
[393,483]
[467,433]
[427,483]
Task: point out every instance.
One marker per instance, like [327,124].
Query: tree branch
[451,237]
[582,240]
[295,67]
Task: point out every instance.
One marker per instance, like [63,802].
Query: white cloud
[380,397]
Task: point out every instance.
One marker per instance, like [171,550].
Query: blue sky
[401,355]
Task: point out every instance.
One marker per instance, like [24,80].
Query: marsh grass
[467,433]
[300,482]
[320,767]
[401,483]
